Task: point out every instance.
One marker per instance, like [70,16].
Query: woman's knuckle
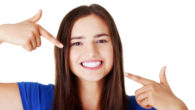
[36,29]
[37,26]
[39,44]
[27,48]
[136,92]
[28,41]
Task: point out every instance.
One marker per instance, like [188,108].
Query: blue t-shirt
[36,96]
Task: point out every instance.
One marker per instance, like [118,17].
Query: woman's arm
[10,97]
[26,34]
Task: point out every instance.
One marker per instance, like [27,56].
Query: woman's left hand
[157,95]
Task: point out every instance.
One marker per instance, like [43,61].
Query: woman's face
[91,51]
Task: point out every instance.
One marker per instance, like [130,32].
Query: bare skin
[27,35]
[10,97]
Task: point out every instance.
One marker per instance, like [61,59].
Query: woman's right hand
[27,33]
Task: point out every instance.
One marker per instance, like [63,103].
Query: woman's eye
[76,44]
[102,41]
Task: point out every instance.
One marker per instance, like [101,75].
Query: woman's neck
[90,94]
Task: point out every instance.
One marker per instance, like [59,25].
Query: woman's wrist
[179,105]
[1,34]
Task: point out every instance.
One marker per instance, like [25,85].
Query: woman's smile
[92,64]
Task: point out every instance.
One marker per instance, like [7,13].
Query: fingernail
[61,45]
[39,11]
[126,74]
[165,68]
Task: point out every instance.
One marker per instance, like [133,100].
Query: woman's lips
[90,64]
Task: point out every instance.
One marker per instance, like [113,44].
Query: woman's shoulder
[36,96]
[133,105]
[36,87]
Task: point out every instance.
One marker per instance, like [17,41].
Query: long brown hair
[66,96]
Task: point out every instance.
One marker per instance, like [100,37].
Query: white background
[154,33]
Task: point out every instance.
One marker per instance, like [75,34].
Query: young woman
[89,68]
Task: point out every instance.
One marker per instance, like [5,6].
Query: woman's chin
[92,79]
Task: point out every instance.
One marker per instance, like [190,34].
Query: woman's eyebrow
[96,36]
[78,37]
[100,35]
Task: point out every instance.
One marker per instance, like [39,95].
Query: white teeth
[91,64]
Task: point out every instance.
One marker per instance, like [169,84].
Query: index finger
[139,79]
[48,36]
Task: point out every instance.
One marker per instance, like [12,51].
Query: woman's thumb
[36,17]
[163,78]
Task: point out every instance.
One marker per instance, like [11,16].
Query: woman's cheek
[107,52]
[73,56]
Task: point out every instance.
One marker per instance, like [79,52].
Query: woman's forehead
[89,26]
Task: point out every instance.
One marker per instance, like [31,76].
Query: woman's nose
[91,50]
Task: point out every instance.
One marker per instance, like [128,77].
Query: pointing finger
[48,36]
[139,79]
